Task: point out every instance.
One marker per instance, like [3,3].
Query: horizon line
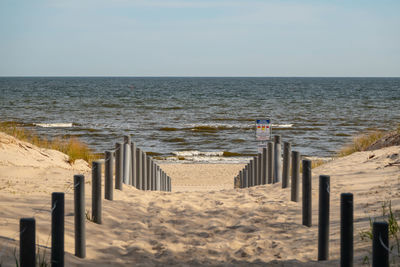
[184,76]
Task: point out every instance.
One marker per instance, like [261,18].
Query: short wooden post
[307,193]
[153,175]
[264,166]
[79,212]
[126,160]
[96,191]
[133,165]
[295,176]
[286,164]
[249,173]
[346,229]
[277,159]
[162,181]
[245,177]
[259,169]
[270,168]
[139,171]
[148,173]
[158,179]
[380,244]
[57,229]
[255,162]
[323,217]
[118,165]
[27,244]
[144,171]
[108,173]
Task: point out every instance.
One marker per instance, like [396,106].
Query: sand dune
[204,222]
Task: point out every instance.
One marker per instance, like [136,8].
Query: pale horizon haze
[200,38]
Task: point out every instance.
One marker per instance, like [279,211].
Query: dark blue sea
[200,118]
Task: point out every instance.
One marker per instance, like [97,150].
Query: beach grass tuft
[317,163]
[361,143]
[70,146]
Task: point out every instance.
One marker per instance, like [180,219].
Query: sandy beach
[203,222]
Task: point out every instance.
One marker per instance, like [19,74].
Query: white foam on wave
[281,125]
[204,159]
[194,156]
[193,153]
[54,125]
[238,125]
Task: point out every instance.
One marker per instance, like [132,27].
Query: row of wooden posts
[132,167]
[265,168]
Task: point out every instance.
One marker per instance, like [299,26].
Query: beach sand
[203,222]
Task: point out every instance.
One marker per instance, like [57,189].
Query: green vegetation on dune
[70,146]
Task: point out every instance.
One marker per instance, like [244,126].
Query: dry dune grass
[71,146]
[361,143]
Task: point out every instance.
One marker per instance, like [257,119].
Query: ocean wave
[203,159]
[54,125]
[214,127]
[192,153]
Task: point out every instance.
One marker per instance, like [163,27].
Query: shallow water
[165,115]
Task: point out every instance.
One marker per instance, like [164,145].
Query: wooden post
[295,176]
[109,172]
[79,212]
[96,191]
[286,164]
[57,229]
[27,244]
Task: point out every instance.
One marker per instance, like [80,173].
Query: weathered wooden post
[96,191]
[144,171]
[295,176]
[264,166]
[79,212]
[307,193]
[57,229]
[259,169]
[380,244]
[118,165]
[148,173]
[126,160]
[109,172]
[133,181]
[286,164]
[162,181]
[153,175]
[255,164]
[27,244]
[277,159]
[158,179]
[346,229]
[270,167]
[139,171]
[245,177]
[323,217]
[251,173]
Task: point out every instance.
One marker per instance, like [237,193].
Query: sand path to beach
[204,222]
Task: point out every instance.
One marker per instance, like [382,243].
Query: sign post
[263,133]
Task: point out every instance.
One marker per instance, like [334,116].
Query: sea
[202,119]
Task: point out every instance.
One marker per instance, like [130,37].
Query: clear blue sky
[199,38]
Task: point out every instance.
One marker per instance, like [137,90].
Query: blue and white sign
[263,130]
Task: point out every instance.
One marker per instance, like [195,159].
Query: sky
[358,38]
